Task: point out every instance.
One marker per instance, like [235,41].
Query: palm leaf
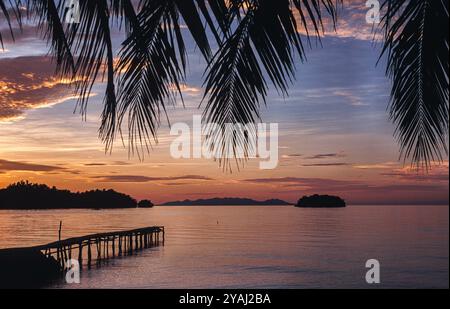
[150,70]
[6,8]
[90,41]
[48,20]
[417,49]
[152,65]
[260,49]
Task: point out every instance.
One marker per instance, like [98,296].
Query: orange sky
[334,136]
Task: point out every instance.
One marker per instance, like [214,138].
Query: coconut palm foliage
[417,49]
[248,46]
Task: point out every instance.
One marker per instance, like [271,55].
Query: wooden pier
[36,266]
[102,246]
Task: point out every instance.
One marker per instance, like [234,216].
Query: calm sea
[256,247]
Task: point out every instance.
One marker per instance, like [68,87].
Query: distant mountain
[227,201]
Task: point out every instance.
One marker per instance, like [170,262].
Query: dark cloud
[326,164]
[121,163]
[95,164]
[6,165]
[325,156]
[115,163]
[178,183]
[138,178]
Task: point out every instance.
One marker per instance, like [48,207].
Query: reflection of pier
[102,246]
[32,266]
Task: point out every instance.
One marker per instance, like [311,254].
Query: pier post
[63,261]
[58,259]
[114,246]
[99,249]
[89,254]
[80,253]
[130,247]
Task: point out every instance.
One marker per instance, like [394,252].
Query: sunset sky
[335,136]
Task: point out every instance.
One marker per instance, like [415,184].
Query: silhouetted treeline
[321,201]
[25,195]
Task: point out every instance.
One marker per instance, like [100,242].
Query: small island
[26,195]
[145,204]
[321,201]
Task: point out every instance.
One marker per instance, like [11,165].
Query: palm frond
[150,70]
[47,14]
[152,64]
[7,8]
[262,47]
[90,41]
[417,47]
[124,12]
[188,10]
[216,15]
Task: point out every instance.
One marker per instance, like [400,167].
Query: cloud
[292,155]
[29,83]
[332,184]
[326,164]
[95,164]
[351,22]
[345,186]
[24,33]
[438,174]
[350,97]
[138,178]
[120,163]
[321,156]
[115,163]
[377,166]
[418,177]
[6,165]
[325,156]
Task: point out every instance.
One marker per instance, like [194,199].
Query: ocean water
[256,247]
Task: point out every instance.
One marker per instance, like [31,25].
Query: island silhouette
[321,201]
[145,204]
[26,195]
[227,201]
